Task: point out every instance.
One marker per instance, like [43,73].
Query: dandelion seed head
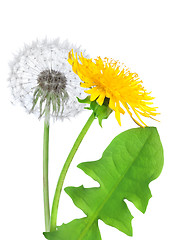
[42,80]
[51,80]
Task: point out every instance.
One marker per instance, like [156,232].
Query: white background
[136,33]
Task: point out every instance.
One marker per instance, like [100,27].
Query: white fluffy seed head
[42,80]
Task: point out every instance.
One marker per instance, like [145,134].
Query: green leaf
[131,161]
[74,229]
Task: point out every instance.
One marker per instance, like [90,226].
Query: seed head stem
[45,176]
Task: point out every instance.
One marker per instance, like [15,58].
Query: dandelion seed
[43,82]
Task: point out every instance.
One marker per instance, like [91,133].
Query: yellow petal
[127,108]
[112,104]
[94,93]
[85,85]
[120,109]
[154,119]
[138,116]
[137,122]
[94,96]
[117,115]
[92,90]
[101,98]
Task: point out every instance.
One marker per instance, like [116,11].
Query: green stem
[64,172]
[45,176]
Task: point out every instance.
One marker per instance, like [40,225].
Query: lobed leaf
[131,161]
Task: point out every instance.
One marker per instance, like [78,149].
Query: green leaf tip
[131,161]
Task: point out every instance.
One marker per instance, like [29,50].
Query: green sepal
[100,112]
[86,100]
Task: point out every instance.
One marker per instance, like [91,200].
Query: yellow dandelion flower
[107,78]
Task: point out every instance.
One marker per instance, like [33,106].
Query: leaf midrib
[95,214]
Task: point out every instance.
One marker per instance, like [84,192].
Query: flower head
[43,81]
[108,79]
